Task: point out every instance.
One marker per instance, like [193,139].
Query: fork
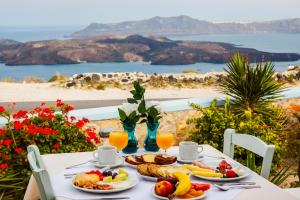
[225,188]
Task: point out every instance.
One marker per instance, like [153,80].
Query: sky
[84,12]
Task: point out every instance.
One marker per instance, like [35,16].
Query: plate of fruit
[218,171]
[179,187]
[159,159]
[108,181]
[151,172]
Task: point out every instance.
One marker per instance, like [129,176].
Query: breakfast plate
[147,178]
[89,182]
[232,172]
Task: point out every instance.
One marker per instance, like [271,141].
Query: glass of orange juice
[165,140]
[118,139]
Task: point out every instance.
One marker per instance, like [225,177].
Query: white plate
[133,182]
[147,178]
[119,162]
[177,198]
[214,164]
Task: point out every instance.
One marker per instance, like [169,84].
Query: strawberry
[224,165]
[230,174]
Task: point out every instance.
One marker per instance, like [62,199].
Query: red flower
[1,143]
[18,150]
[2,109]
[17,125]
[69,108]
[73,118]
[43,103]
[47,110]
[80,124]
[2,131]
[37,109]
[3,165]
[50,116]
[59,103]
[20,114]
[31,129]
[93,136]
[46,131]
[85,120]
[56,145]
[55,132]
[7,142]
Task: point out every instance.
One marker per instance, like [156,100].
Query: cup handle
[95,155]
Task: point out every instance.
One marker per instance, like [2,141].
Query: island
[155,50]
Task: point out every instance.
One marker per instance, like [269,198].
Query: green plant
[50,128]
[11,186]
[190,71]
[58,77]
[279,177]
[251,88]
[209,127]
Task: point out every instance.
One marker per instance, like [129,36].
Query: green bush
[209,127]
[190,71]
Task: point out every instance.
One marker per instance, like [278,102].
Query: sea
[270,42]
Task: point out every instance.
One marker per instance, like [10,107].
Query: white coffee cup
[189,150]
[106,155]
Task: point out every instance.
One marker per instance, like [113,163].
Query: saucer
[119,162]
[188,161]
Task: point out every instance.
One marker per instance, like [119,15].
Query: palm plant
[251,87]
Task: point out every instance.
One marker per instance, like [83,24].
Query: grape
[171,180]
[160,178]
[114,175]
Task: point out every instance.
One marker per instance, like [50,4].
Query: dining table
[56,165]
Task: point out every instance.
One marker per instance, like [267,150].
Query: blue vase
[132,145]
[150,140]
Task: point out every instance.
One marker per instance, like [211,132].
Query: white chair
[252,144]
[40,174]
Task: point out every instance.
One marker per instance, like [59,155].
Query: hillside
[184,25]
[156,50]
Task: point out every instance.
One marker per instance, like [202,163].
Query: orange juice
[164,140]
[118,139]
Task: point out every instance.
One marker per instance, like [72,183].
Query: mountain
[184,25]
[123,48]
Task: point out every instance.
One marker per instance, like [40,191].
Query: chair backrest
[252,144]
[39,172]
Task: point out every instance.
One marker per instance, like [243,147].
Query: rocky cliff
[121,48]
[184,25]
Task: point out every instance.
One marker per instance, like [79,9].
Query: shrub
[51,131]
[33,79]
[190,71]
[58,77]
[209,127]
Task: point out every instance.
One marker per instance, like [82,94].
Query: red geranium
[7,142]
[56,145]
[73,118]
[80,124]
[3,166]
[20,114]
[2,131]
[2,109]
[85,120]
[18,150]
[17,125]
[55,132]
[69,108]
[59,103]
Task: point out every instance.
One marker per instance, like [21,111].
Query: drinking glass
[165,140]
[118,139]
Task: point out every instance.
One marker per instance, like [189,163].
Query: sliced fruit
[196,168]
[224,165]
[120,177]
[107,179]
[184,184]
[208,174]
[122,171]
[201,186]
[230,174]
[204,166]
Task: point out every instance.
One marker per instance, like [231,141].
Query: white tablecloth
[56,164]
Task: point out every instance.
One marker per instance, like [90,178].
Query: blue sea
[271,42]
